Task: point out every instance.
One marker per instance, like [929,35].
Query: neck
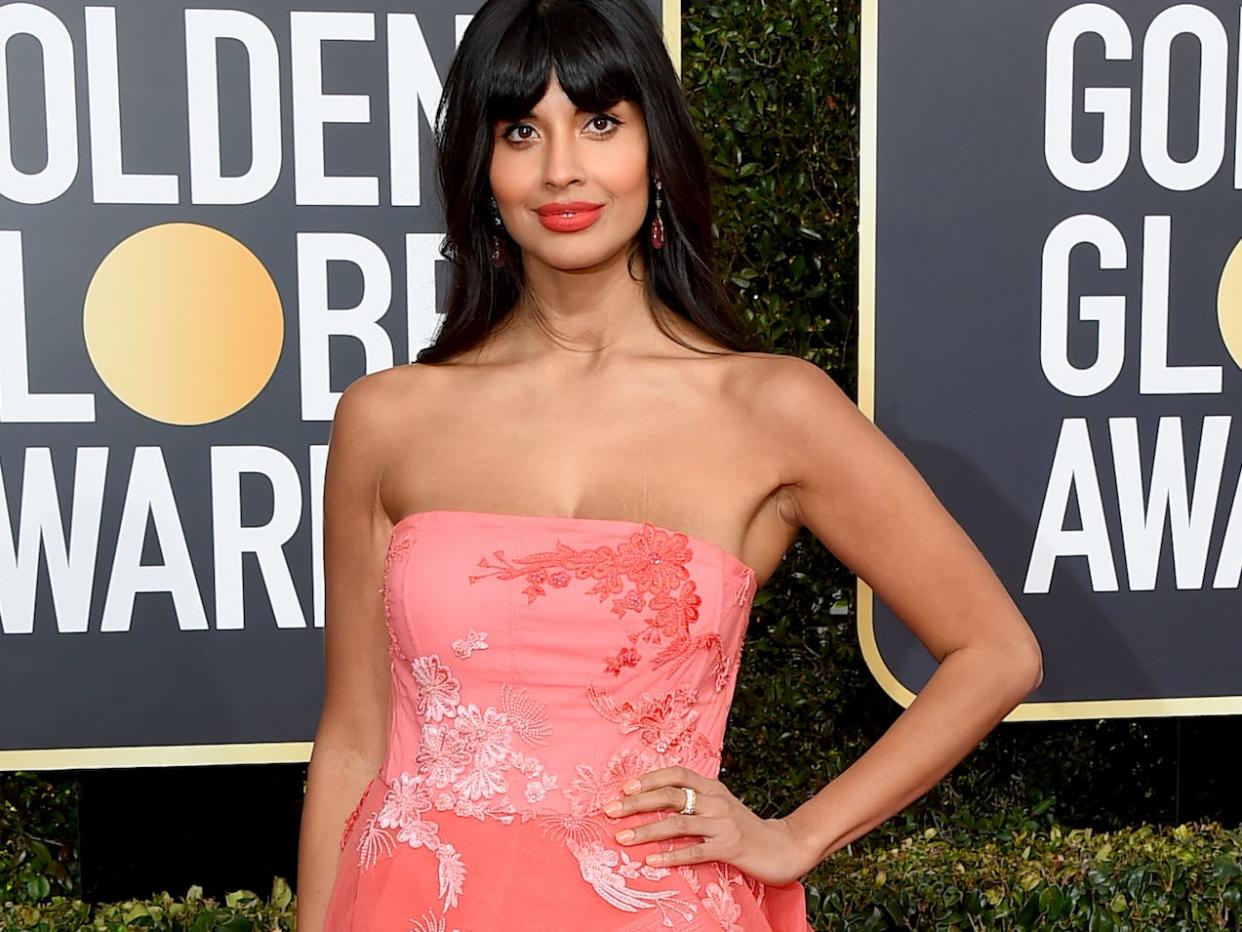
[593,311]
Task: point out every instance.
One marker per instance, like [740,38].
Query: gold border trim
[155,755]
[672,32]
[1026,711]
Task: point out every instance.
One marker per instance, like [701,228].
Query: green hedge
[1188,878]
[773,84]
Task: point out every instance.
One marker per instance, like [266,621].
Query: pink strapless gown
[539,662]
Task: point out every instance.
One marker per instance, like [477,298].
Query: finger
[695,853]
[677,826]
[662,797]
[669,776]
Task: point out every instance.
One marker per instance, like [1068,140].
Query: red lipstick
[569,216]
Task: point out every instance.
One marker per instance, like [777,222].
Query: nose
[562,162]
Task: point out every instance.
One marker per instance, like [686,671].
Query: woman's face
[557,155]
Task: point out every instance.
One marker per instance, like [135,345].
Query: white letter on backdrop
[203,31]
[18,405]
[1184,19]
[312,108]
[150,493]
[412,81]
[317,322]
[112,185]
[1113,103]
[1073,466]
[1156,376]
[59,103]
[231,538]
[1109,311]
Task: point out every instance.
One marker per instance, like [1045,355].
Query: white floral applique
[452,874]
[691,878]
[465,760]
[717,899]
[464,647]
[604,869]
[429,922]
[589,790]
[719,902]
[438,690]
[566,827]
[372,842]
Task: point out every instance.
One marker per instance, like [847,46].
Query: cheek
[628,177]
[508,177]
[637,173]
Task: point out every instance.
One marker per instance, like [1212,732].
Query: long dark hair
[602,51]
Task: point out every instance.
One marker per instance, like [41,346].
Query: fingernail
[632,786]
[625,835]
[654,858]
[613,807]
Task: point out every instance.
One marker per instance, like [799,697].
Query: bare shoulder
[375,403]
[377,417]
[780,370]
[792,394]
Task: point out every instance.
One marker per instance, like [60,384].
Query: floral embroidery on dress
[718,901]
[606,870]
[667,723]
[466,760]
[654,561]
[464,647]
[589,791]
[529,718]
[397,547]
[438,689]
[429,922]
[373,841]
[353,817]
[748,579]
[463,762]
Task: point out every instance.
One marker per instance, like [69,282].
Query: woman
[542,540]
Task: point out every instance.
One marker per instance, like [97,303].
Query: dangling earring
[657,225]
[498,258]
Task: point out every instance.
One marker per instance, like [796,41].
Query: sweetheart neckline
[728,556]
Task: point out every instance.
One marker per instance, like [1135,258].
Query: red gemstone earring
[498,258]
[657,225]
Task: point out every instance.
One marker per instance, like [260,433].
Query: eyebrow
[577,111]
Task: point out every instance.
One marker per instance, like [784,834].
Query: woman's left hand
[767,849]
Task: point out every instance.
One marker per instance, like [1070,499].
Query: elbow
[1032,666]
[1020,665]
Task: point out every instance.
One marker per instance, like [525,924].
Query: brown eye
[610,123]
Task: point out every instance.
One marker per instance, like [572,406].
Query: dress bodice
[538,663]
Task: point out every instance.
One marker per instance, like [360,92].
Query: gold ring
[691,799]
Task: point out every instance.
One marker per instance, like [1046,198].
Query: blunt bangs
[574,43]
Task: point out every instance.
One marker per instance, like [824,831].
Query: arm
[351,739]
[865,501]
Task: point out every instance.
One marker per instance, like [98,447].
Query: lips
[572,207]
[569,216]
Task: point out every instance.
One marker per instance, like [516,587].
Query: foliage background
[774,88]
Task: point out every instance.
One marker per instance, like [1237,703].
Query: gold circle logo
[183,323]
[1229,304]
